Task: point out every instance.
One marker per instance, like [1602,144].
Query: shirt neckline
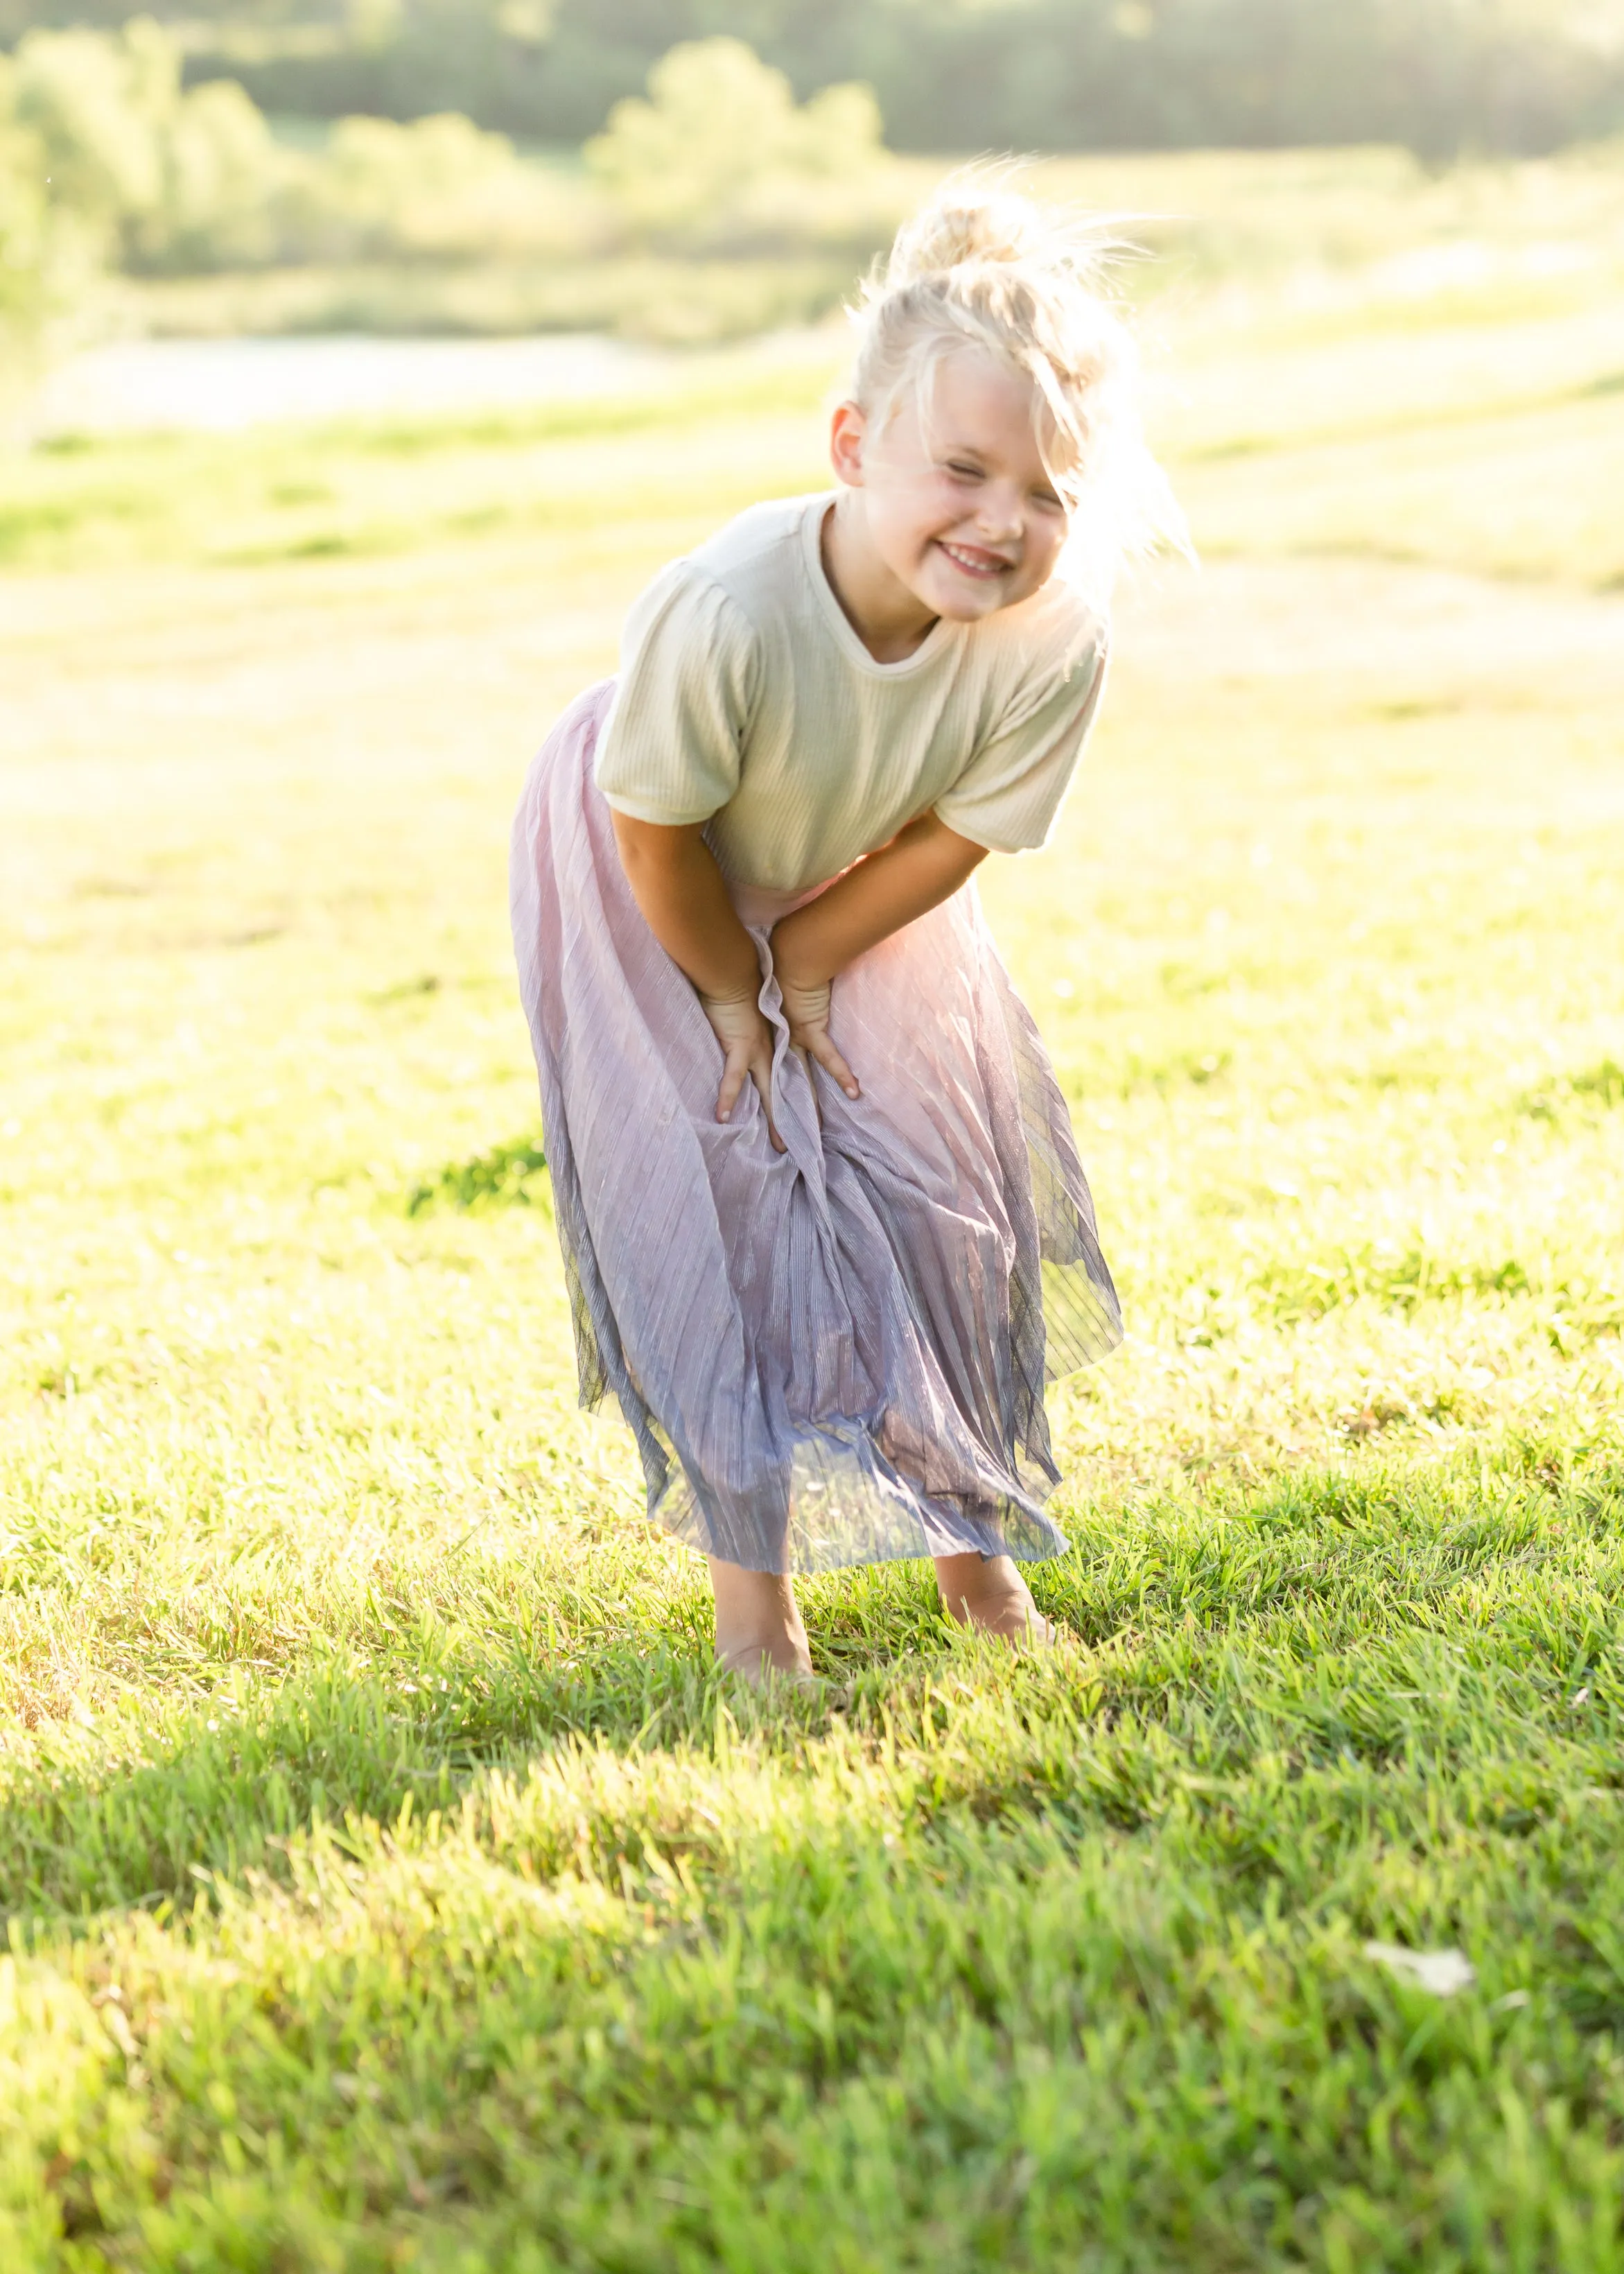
[939,637]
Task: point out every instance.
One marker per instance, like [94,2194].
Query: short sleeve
[671,745]
[1009,793]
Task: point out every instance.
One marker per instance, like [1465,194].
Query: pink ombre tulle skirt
[836,1354]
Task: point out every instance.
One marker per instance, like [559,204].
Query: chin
[963,603]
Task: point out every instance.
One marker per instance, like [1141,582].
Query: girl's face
[958,503]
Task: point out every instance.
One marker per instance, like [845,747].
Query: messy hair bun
[968,224]
[984,266]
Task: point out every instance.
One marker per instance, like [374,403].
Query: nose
[1000,513]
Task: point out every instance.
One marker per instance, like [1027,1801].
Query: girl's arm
[923,865]
[677,884]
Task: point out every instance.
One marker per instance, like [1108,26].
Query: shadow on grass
[1334,1623]
[221,1792]
[349,1735]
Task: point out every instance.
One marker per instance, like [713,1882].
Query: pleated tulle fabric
[838,1354]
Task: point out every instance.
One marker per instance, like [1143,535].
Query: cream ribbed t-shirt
[746,700]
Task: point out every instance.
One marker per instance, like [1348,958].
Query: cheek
[1044,545]
[912,517]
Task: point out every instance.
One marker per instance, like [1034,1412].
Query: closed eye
[963,470]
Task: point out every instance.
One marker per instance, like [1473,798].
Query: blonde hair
[984,266]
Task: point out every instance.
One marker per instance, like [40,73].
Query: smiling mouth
[974,562]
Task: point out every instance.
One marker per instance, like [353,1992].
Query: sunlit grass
[401,485]
[1532,494]
[1493,442]
[390,1884]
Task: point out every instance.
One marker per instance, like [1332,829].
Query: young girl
[823,1223]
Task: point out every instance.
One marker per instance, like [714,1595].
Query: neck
[890,620]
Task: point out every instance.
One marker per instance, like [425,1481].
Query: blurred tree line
[110,163]
[114,160]
[1441,76]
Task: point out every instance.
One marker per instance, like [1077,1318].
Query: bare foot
[759,1633]
[988,1593]
[753,1663]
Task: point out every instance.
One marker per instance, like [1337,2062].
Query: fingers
[817,1046]
[760,1074]
[735,1072]
[745,1063]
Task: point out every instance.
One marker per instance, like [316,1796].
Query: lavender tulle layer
[837,1354]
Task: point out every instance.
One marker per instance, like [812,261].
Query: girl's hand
[805,1011]
[745,1033]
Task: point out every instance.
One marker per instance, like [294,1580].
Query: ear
[847,433]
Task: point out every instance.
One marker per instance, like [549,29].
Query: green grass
[1489,438]
[405,484]
[389,1882]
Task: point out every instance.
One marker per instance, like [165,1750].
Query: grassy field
[390,1884]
